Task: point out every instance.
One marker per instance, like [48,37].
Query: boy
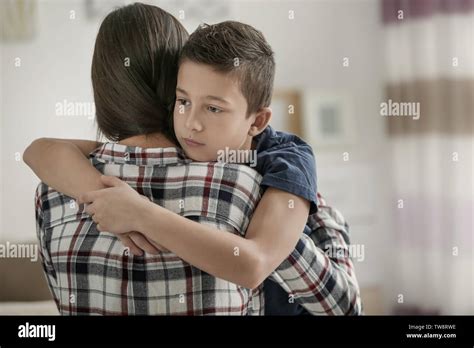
[225,84]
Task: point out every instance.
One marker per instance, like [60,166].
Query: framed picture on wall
[286,111]
[328,118]
[18,20]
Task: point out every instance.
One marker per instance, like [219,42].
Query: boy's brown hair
[240,49]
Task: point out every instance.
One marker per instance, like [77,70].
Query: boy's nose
[193,123]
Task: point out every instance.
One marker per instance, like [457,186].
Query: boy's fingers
[158,246]
[111,180]
[128,243]
[89,197]
[90,209]
[143,243]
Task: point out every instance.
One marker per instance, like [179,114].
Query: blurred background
[382,90]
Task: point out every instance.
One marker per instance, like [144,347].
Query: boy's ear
[262,119]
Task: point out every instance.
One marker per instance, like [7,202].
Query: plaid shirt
[319,273]
[91,273]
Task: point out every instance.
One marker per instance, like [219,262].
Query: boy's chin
[199,157]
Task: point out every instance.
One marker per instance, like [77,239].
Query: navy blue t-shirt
[286,163]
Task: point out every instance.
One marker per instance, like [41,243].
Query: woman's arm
[63,165]
[273,232]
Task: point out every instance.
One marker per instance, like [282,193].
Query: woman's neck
[148,141]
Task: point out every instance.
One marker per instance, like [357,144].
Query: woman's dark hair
[134,71]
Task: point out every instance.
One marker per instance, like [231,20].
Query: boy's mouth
[191,142]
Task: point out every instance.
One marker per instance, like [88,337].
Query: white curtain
[430,60]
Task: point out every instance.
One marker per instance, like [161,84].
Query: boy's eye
[213,109]
[181,101]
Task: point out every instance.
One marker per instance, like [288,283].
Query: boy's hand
[114,209]
[137,243]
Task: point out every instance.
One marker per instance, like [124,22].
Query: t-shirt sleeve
[287,163]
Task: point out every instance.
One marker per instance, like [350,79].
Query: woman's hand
[116,210]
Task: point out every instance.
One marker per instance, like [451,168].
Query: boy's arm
[63,165]
[272,234]
[324,283]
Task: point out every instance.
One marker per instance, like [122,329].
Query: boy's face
[210,113]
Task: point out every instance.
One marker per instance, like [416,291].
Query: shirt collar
[124,154]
